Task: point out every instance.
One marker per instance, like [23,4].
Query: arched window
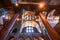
[29,29]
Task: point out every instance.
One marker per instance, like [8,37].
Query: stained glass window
[29,29]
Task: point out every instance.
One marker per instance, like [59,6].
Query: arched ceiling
[52,4]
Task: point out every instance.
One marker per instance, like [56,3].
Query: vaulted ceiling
[7,4]
[54,2]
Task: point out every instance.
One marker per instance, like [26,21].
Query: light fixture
[6,17]
[37,20]
[3,16]
[16,4]
[18,19]
[42,4]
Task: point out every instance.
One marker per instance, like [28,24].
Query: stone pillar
[5,31]
[52,33]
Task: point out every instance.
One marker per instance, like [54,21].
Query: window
[29,29]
